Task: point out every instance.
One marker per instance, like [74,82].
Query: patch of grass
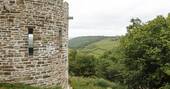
[21,86]
[93,83]
[99,48]
[81,42]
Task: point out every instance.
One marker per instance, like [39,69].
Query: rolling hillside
[93,45]
[80,42]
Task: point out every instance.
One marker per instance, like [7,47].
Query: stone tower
[33,42]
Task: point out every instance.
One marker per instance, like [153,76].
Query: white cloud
[110,17]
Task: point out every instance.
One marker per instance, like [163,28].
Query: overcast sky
[110,17]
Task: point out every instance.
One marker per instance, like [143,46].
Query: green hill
[93,45]
[80,42]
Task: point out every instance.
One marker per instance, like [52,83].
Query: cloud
[110,17]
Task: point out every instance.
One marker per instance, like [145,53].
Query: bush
[82,65]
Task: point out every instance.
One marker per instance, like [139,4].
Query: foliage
[139,60]
[147,51]
[82,65]
[109,70]
[21,86]
[167,86]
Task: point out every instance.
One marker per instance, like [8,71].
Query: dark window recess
[31,50]
[30,41]
[60,38]
[60,34]
[30,30]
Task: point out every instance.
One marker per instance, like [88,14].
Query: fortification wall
[48,19]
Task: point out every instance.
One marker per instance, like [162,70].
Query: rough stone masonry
[33,42]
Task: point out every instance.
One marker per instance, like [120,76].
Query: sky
[111,17]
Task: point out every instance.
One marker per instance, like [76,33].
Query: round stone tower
[33,42]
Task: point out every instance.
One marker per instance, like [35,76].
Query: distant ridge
[82,41]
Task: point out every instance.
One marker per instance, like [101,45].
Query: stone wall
[48,66]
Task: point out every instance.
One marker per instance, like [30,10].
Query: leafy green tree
[86,65]
[81,64]
[146,50]
[110,70]
[72,57]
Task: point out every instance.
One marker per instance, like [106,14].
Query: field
[94,45]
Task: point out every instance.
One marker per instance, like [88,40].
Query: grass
[94,45]
[21,86]
[80,42]
[93,83]
[100,47]
[85,83]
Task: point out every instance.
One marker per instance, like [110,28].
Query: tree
[81,64]
[72,57]
[109,69]
[147,50]
[86,65]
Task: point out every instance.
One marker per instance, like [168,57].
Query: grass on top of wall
[21,86]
